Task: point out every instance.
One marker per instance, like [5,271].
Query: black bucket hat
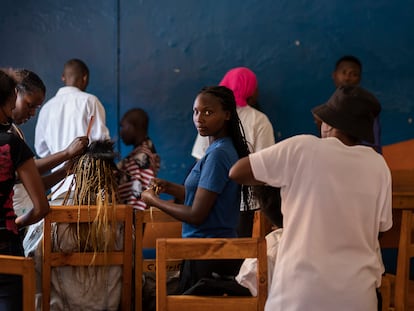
[352,110]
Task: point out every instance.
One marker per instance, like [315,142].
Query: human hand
[149,197]
[70,164]
[77,146]
[158,185]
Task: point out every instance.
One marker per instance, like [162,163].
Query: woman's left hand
[149,197]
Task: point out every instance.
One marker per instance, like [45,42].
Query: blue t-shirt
[212,173]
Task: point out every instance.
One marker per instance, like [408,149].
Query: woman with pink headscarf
[257,128]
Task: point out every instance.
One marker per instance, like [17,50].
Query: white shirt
[257,128]
[65,117]
[335,201]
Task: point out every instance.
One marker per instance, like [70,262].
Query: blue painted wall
[157,55]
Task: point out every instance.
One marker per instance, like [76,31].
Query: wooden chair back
[23,266]
[210,248]
[157,225]
[401,235]
[261,225]
[405,253]
[86,214]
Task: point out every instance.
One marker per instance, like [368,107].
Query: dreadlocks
[96,184]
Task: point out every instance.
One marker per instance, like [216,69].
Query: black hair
[28,82]
[349,58]
[101,149]
[267,197]
[234,126]
[7,87]
[137,117]
[78,67]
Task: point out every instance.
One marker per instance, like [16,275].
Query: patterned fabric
[137,170]
[13,153]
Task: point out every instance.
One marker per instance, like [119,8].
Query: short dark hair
[349,58]
[78,66]
[138,117]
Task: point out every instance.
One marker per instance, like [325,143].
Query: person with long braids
[90,287]
[259,135]
[208,203]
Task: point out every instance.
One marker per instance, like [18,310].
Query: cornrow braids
[28,82]
[235,129]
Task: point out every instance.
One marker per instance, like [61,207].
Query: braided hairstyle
[29,82]
[234,127]
[96,184]
[267,197]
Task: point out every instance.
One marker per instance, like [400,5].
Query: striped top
[137,170]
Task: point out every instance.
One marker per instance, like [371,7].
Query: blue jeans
[10,285]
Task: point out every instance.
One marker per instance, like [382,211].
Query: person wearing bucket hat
[348,71]
[352,110]
[336,198]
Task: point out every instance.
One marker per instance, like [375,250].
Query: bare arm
[241,172]
[164,186]
[30,177]
[76,148]
[196,214]
[53,178]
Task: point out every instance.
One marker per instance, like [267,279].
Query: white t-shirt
[335,201]
[257,127]
[65,117]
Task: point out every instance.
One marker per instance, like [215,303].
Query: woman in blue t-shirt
[208,203]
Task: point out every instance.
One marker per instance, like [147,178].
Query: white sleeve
[40,144]
[265,135]
[277,164]
[200,146]
[386,209]
[99,130]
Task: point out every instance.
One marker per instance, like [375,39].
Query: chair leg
[385,290]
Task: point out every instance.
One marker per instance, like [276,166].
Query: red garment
[137,170]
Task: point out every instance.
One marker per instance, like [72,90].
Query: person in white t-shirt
[336,199]
[67,115]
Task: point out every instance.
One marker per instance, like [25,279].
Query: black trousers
[192,271]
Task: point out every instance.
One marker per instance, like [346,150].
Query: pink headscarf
[242,81]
